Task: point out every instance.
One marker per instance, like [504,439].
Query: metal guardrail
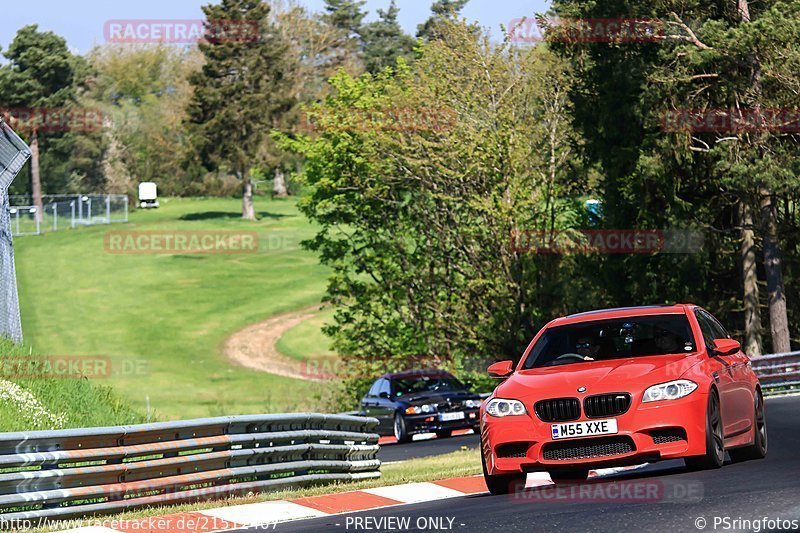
[777,373]
[67,473]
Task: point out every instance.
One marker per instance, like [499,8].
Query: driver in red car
[587,348]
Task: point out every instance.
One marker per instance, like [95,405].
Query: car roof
[426,372]
[622,312]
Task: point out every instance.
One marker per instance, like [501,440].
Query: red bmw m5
[620,387]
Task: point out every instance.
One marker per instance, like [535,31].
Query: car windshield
[423,384]
[612,339]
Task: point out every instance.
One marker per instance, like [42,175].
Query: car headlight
[669,391]
[500,408]
[421,409]
[472,404]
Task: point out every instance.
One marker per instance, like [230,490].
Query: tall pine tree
[240,92]
[441,11]
[346,19]
[385,40]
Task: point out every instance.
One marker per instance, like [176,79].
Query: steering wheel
[566,358]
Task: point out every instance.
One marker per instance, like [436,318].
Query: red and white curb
[423,436]
[274,512]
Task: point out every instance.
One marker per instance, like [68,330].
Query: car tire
[569,476]
[400,429]
[757,450]
[715,444]
[444,434]
[502,483]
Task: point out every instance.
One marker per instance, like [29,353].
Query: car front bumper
[430,423]
[524,443]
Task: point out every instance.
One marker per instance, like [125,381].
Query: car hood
[426,398]
[617,375]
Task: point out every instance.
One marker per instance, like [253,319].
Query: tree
[443,11]
[715,180]
[417,179]
[40,78]
[239,93]
[346,18]
[144,93]
[385,41]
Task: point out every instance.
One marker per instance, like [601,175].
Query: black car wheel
[715,444]
[757,450]
[502,483]
[400,430]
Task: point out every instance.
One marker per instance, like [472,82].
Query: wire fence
[66,212]
[13,155]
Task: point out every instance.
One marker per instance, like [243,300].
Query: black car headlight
[422,409]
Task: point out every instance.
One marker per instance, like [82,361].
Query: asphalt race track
[427,448]
[674,499]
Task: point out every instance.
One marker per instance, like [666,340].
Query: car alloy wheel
[400,431]
[757,450]
[715,443]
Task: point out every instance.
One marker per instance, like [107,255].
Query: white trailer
[148,195]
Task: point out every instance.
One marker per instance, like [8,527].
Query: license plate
[446,417]
[585,429]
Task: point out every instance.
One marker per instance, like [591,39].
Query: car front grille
[588,448]
[449,407]
[604,405]
[666,436]
[558,409]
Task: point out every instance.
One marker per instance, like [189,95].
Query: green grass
[54,402]
[456,464]
[306,340]
[161,319]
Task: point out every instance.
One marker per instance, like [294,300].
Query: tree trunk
[778,319]
[248,209]
[279,187]
[36,178]
[752,312]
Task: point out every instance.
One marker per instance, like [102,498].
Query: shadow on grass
[229,215]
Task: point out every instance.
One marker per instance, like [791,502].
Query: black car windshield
[612,339]
[425,384]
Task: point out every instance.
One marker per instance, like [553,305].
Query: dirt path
[256,347]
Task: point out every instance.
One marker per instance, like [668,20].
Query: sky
[81,22]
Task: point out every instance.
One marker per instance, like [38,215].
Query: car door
[370,404]
[741,397]
[385,408]
[722,372]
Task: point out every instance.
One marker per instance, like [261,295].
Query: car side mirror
[726,347]
[501,370]
[384,395]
